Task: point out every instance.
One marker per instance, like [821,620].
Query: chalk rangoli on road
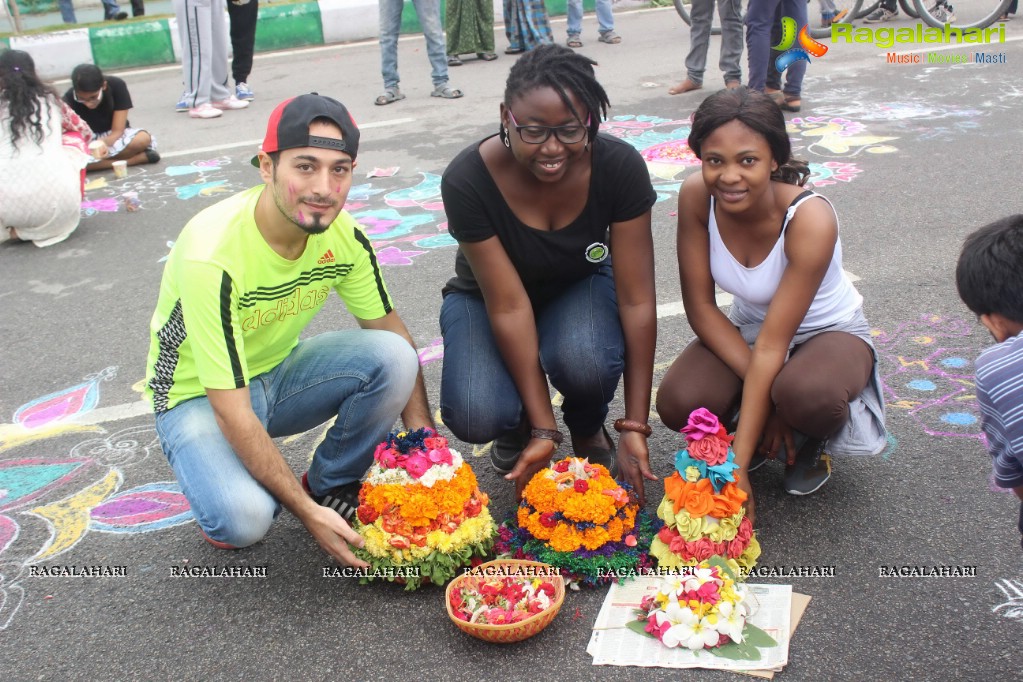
[404,217]
[76,493]
[927,371]
[662,143]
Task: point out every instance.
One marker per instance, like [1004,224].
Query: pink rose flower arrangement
[406,451]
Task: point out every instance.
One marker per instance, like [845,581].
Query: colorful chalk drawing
[75,494]
[405,221]
[207,179]
[838,136]
[58,406]
[1012,607]
[927,371]
[53,414]
[662,143]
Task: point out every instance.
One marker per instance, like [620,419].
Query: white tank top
[753,288]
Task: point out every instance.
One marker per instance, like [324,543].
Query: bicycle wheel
[851,8]
[682,7]
[968,13]
[909,9]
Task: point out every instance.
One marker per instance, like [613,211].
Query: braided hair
[758,112]
[24,94]
[565,71]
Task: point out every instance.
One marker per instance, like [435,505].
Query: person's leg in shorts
[698,378]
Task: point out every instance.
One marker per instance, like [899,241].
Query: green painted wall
[284,26]
[141,43]
[37,6]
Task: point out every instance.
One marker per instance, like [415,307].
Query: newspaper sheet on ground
[612,643]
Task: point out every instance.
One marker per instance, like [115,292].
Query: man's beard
[318,227]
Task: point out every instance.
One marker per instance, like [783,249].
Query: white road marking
[255,143]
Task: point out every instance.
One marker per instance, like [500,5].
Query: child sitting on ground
[103,102]
[990,282]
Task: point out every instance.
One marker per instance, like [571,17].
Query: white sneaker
[231,102]
[205,111]
[943,12]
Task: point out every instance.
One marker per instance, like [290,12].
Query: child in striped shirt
[990,282]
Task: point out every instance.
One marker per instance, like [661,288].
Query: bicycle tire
[927,18]
[909,9]
[854,11]
[682,7]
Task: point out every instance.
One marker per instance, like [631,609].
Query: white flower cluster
[378,475]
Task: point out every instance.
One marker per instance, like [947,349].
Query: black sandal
[453,60]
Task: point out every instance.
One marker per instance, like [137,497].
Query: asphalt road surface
[914,157]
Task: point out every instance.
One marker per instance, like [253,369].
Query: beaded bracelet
[632,425]
[548,434]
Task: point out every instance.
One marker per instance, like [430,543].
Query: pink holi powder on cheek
[291,191]
[301,217]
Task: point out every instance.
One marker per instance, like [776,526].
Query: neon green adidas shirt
[231,307]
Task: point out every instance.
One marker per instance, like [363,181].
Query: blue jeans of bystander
[428,12]
[605,17]
[761,16]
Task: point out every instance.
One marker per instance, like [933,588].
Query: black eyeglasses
[567,134]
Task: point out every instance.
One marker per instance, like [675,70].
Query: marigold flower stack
[421,510]
[702,505]
[575,516]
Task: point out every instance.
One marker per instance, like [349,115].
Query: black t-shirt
[547,260]
[101,119]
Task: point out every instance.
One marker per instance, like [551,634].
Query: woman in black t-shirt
[540,211]
[103,102]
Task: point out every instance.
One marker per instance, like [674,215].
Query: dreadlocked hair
[565,71]
[25,95]
[757,112]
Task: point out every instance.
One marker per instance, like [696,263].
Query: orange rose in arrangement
[698,497]
[728,502]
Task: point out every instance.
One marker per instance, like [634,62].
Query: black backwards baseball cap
[288,127]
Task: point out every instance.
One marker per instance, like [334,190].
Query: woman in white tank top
[794,353]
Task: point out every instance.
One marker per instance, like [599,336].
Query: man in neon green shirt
[227,371]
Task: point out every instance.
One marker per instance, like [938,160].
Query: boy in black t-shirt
[103,102]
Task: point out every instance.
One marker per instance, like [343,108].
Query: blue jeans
[582,351]
[702,14]
[761,17]
[67,10]
[362,377]
[605,18]
[428,12]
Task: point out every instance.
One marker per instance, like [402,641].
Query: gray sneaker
[881,14]
[811,470]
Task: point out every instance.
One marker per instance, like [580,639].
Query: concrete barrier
[55,54]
